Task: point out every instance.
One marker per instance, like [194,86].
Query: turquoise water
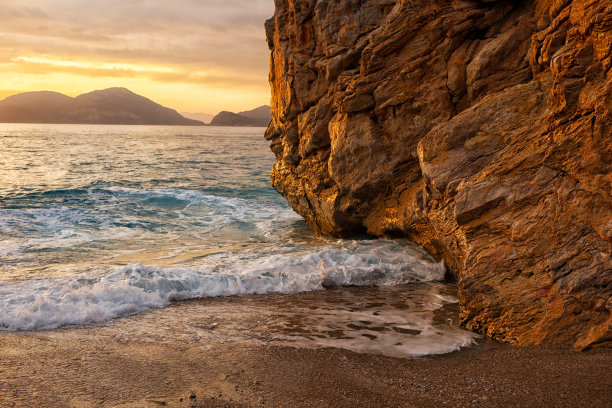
[85,194]
[99,222]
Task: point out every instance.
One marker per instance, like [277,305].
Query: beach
[183,287]
[416,213]
[105,366]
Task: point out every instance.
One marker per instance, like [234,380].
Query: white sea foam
[214,210]
[397,321]
[93,298]
[56,227]
[387,330]
[64,227]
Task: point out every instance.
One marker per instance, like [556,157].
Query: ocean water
[99,224]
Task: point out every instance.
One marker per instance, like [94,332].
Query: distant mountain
[113,106]
[231,119]
[262,113]
[257,117]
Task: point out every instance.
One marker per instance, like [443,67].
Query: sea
[162,232]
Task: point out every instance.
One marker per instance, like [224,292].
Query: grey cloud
[201,34]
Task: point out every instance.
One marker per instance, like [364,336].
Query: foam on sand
[100,296]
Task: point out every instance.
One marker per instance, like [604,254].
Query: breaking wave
[90,298]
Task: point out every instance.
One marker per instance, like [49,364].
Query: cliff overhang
[479,129]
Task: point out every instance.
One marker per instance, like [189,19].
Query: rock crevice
[479,129]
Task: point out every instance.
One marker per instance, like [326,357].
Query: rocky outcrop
[258,117]
[113,106]
[226,118]
[479,129]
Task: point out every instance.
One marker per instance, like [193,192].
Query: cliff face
[479,129]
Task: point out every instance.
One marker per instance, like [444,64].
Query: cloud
[206,42]
[226,78]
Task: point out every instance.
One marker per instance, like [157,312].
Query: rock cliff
[479,129]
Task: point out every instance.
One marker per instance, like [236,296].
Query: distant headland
[112,106]
[257,117]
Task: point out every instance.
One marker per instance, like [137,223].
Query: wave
[114,213]
[95,298]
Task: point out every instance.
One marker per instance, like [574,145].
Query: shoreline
[129,364]
[151,375]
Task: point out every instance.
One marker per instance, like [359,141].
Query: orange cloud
[184,50]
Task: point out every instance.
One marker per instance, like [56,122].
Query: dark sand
[44,370]
[225,352]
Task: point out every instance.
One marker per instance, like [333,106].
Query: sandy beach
[107,366]
[305,203]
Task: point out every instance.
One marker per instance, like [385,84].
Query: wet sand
[42,371]
[226,353]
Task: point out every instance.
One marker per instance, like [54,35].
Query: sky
[199,56]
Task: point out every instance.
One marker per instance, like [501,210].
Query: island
[258,117]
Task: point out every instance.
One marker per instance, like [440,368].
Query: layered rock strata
[479,129]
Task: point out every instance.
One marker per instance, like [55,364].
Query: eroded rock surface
[479,129]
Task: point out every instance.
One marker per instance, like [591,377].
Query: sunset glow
[191,55]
